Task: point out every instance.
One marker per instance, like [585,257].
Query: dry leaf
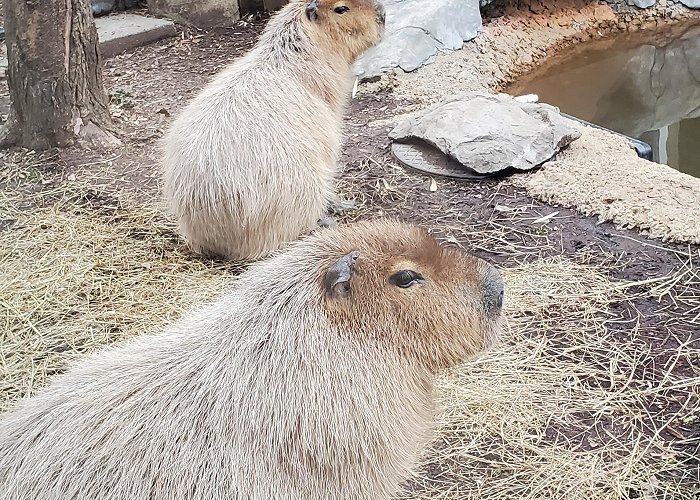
[503,208]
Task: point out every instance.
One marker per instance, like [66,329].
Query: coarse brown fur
[311,379]
[250,163]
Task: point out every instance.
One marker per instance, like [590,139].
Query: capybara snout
[493,295]
[381,13]
[493,289]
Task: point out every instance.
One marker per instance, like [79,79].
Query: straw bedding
[80,269]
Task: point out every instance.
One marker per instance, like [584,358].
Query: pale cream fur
[250,163]
[278,390]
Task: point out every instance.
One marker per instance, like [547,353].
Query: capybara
[311,379]
[250,163]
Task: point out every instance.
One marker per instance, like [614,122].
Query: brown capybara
[250,163]
[311,379]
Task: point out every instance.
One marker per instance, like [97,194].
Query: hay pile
[85,269]
[516,419]
[85,272]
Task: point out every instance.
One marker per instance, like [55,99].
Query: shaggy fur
[250,163]
[284,388]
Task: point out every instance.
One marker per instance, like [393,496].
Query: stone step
[121,32]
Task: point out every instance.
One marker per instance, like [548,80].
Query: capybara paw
[339,206]
[327,222]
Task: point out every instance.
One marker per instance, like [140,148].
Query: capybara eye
[405,278]
[341,9]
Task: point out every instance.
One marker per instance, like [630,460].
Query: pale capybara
[311,379]
[250,163]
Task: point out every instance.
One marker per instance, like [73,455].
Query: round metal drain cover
[424,158]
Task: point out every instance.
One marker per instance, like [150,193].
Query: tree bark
[54,74]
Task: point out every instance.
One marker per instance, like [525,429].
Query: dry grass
[86,269]
[85,272]
[517,421]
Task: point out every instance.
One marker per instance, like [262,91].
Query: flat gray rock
[489,133]
[642,4]
[121,32]
[416,30]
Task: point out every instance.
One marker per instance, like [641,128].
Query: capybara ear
[312,10]
[339,275]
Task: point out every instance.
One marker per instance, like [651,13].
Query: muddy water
[644,85]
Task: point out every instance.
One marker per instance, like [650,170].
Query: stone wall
[646,4]
[660,86]
[416,30]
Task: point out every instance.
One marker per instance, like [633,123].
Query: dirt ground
[520,35]
[659,320]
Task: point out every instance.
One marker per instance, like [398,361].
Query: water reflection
[648,89]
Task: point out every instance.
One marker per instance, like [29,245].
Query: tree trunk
[54,75]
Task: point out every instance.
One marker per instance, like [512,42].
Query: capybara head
[353,25]
[433,304]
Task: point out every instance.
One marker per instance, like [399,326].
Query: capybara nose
[493,289]
[381,14]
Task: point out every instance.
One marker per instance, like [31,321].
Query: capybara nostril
[381,14]
[494,289]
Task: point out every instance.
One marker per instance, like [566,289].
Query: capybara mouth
[495,335]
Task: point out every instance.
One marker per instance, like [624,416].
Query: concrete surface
[120,32]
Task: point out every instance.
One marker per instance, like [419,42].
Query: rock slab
[202,13]
[490,133]
[642,4]
[121,32]
[416,30]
